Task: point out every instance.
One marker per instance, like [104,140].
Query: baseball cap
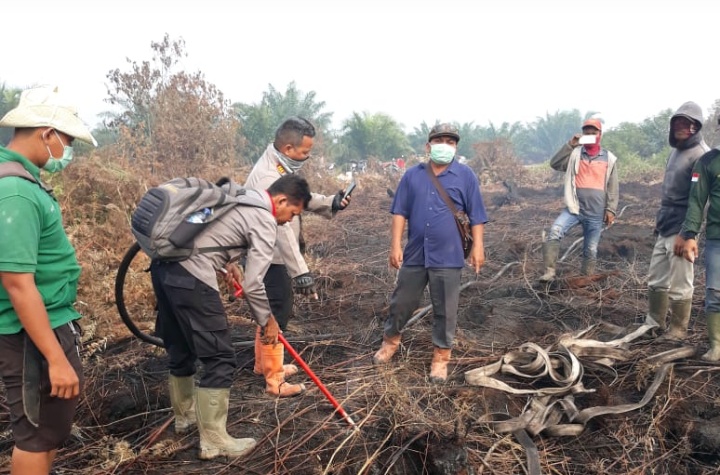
[593,123]
[444,130]
[46,107]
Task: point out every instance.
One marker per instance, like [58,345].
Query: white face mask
[55,165]
[442,153]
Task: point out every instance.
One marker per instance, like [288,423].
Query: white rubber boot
[211,407]
[182,398]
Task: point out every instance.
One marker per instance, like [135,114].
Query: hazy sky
[415,60]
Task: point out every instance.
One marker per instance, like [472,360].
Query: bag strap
[236,193]
[441,190]
[16,169]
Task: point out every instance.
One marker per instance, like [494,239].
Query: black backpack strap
[223,181]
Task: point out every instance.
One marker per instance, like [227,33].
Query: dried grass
[407,425]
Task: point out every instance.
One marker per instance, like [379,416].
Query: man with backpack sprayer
[191,316]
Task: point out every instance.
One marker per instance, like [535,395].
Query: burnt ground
[406,424]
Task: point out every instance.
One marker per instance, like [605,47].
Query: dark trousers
[278,286]
[55,414]
[444,294]
[193,325]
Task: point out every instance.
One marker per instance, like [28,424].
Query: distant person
[191,316]
[433,254]
[705,191]
[591,196]
[39,271]
[670,277]
[294,140]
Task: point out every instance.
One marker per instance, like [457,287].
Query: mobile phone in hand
[587,139]
[349,189]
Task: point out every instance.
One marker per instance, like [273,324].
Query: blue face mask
[442,153]
[55,165]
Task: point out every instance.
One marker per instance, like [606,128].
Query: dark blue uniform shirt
[433,237]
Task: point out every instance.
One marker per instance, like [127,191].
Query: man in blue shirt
[433,254]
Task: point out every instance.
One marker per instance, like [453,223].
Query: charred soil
[406,424]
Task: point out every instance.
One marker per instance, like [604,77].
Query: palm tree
[259,121]
[542,138]
[378,135]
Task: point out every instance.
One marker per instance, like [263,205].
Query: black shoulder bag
[461,219]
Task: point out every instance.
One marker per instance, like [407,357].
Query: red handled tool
[316,380]
[238,288]
[239,293]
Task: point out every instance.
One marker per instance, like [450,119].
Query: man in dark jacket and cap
[670,277]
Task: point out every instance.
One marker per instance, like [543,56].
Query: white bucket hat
[45,107]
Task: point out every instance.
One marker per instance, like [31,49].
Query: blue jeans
[592,227]
[712,276]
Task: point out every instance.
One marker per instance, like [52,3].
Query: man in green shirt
[705,193]
[39,357]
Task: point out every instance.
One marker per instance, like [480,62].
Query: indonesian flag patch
[695,177]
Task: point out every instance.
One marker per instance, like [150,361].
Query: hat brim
[37,116]
[445,134]
[594,123]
